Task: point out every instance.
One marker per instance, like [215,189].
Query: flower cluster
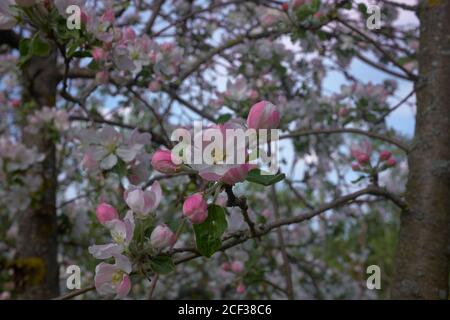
[17,182]
[362,153]
[114,278]
[48,117]
[262,115]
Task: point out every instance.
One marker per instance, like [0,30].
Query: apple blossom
[263,115]
[105,251]
[237,266]
[143,202]
[114,278]
[122,231]
[162,237]
[195,208]
[105,212]
[7,21]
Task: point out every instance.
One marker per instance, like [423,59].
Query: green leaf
[223,118]
[362,8]
[209,233]
[162,264]
[40,47]
[25,52]
[24,47]
[257,176]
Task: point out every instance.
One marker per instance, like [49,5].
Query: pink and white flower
[143,202]
[122,231]
[114,278]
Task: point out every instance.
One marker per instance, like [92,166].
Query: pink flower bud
[162,161]
[98,54]
[84,17]
[391,162]
[240,288]
[106,212]
[109,16]
[15,103]
[237,266]
[363,159]
[355,167]
[226,266]
[385,155]
[162,237]
[237,174]
[195,208]
[263,115]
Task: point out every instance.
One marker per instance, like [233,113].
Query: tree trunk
[37,275]
[422,260]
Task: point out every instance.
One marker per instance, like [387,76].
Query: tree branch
[374,135]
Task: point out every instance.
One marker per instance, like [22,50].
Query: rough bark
[36,264]
[422,260]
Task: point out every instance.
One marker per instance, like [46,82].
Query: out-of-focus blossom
[7,20]
[237,266]
[385,155]
[240,288]
[47,116]
[362,151]
[106,145]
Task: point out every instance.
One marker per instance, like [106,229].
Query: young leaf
[208,234]
[162,264]
[223,118]
[267,179]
